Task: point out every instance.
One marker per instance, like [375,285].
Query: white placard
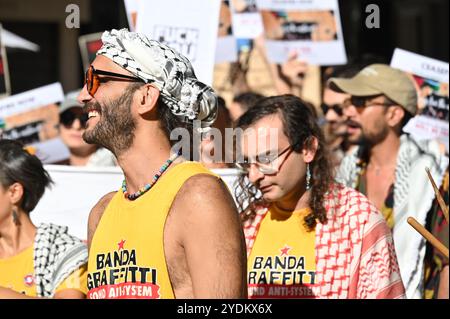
[131,6]
[32,99]
[5,85]
[420,65]
[247,22]
[247,25]
[431,80]
[281,5]
[312,28]
[315,53]
[89,45]
[226,50]
[190,27]
[11,40]
[52,151]
[77,189]
[426,128]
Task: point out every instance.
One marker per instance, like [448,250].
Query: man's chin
[342,133]
[355,139]
[89,138]
[271,196]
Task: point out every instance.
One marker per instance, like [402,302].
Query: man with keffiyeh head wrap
[172,229]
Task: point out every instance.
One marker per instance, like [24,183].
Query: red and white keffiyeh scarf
[355,254]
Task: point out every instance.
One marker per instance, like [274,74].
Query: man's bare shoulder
[96,214]
[205,223]
[203,199]
[99,208]
[204,187]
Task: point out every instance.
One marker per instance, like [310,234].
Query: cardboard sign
[226,50]
[5,88]
[89,45]
[431,79]
[310,28]
[131,6]
[189,27]
[77,189]
[247,22]
[32,118]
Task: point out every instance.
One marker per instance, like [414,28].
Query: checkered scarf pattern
[413,196]
[355,254]
[166,69]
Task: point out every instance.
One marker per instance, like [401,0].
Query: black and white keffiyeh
[413,197]
[166,69]
[56,256]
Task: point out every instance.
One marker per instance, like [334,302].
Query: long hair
[299,125]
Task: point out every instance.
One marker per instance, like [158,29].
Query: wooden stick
[438,195]
[428,236]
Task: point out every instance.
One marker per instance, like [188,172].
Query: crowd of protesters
[321,215]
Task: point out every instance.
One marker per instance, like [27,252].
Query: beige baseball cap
[379,79]
[70,101]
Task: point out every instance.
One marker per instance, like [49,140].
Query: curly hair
[300,126]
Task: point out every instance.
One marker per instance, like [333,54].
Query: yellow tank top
[17,273]
[126,258]
[282,261]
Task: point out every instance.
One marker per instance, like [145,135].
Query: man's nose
[254,175]
[84,95]
[349,111]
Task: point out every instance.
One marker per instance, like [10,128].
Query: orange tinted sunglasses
[92,79]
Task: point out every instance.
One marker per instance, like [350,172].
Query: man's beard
[335,132]
[115,129]
[374,138]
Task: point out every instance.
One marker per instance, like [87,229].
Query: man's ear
[147,96]
[395,115]
[310,148]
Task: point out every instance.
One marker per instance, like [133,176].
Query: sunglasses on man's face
[68,117]
[92,79]
[363,102]
[335,107]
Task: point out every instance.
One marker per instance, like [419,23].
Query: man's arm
[96,214]
[210,232]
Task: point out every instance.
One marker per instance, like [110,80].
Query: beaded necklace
[147,187]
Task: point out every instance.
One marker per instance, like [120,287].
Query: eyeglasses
[335,107]
[363,102]
[68,117]
[265,163]
[92,79]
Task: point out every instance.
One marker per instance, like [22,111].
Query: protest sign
[247,22]
[5,89]
[190,29]
[77,189]
[431,79]
[89,45]
[310,28]
[131,6]
[32,117]
[226,50]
